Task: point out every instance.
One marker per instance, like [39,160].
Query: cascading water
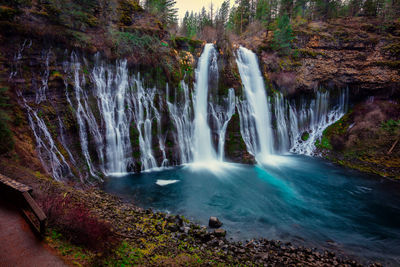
[254,111]
[313,118]
[161,138]
[203,149]
[221,119]
[181,114]
[193,136]
[85,118]
[144,112]
[50,156]
[282,131]
[41,91]
[16,66]
[111,93]
[121,102]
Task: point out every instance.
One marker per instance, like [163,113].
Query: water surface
[298,199]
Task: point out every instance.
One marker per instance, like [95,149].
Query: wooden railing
[20,194]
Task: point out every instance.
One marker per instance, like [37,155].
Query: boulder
[214,222]
[220,232]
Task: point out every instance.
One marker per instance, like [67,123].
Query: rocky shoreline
[259,252]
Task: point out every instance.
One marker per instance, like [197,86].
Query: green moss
[323,143]
[78,255]
[56,74]
[390,64]
[310,53]
[393,49]
[391,126]
[125,255]
[134,42]
[340,127]
[305,136]
[127,8]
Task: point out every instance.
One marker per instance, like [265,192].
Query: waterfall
[144,113]
[108,104]
[203,149]
[282,130]
[193,132]
[112,99]
[254,111]
[52,159]
[310,116]
[161,138]
[85,119]
[181,115]
[16,66]
[313,117]
[41,91]
[221,118]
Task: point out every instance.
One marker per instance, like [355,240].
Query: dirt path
[18,245]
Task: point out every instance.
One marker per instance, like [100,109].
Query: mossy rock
[323,143]
[305,136]
[389,64]
[393,49]
[187,43]
[308,53]
[126,9]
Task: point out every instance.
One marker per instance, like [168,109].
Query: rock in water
[214,222]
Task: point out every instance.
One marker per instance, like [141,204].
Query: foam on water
[166,182]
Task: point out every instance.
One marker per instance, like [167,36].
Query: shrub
[128,42]
[391,126]
[75,221]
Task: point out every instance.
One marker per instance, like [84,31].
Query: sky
[196,6]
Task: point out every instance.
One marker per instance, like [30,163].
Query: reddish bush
[75,222]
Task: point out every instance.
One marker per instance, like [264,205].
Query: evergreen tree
[263,11]
[223,14]
[286,7]
[164,9]
[243,14]
[283,36]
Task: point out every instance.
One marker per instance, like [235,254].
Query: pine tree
[283,36]
[164,9]
[223,13]
[263,11]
